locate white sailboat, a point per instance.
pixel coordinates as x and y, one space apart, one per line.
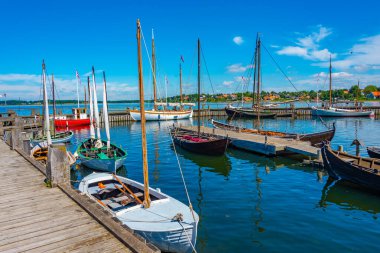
165 114
95 153
162 220
337 112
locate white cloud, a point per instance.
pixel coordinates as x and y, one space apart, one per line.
238 68
228 83
238 40
308 46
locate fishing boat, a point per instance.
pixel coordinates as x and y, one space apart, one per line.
257 109
331 111
57 137
155 114
373 152
160 219
95 153
315 139
196 141
79 115
362 171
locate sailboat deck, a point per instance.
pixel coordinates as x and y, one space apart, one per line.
266 145
35 218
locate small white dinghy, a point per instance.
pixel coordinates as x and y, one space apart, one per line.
167 223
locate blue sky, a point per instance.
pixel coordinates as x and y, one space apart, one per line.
72 35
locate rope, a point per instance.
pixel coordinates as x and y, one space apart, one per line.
187 236
183 178
282 71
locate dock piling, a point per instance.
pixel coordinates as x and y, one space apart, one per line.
58 166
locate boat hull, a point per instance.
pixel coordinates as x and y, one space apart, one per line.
340 113
233 113
373 152
71 122
161 115
338 168
315 139
106 165
215 146
65 138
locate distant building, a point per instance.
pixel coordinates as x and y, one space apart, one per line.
346 91
247 99
233 96
271 97
374 95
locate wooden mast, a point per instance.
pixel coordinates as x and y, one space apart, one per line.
154 73
180 84
330 82
199 87
85 98
54 104
258 77
142 115
254 75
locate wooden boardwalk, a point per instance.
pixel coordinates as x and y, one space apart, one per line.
261 144
34 218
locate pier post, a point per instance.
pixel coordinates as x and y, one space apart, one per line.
340 148
58 166
319 155
16 133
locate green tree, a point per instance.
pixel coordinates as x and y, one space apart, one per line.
369 88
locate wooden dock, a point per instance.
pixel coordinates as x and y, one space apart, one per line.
265 145
36 218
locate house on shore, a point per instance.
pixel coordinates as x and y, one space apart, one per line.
374 95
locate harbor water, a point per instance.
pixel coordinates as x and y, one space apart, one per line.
252 203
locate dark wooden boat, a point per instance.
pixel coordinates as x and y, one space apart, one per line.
362 171
207 144
196 141
247 113
373 152
315 139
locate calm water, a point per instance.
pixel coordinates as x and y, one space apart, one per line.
250 203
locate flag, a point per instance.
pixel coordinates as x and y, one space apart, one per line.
182 59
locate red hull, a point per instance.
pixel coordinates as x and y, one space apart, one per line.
71 122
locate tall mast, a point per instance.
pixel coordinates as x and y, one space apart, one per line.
92 131
78 82
180 84
258 97
85 97
142 115
154 72
54 104
255 73
105 111
46 105
96 109
330 82
199 87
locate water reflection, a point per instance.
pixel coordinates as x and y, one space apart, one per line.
349 196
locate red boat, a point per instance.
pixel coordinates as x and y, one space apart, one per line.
78 118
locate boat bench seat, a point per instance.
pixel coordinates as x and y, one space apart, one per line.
121 198
349 160
113 205
102 156
138 194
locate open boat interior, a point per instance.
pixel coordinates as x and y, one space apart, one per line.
92 149
117 195
40 154
368 164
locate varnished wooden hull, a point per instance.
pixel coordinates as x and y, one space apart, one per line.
359 170
315 139
214 146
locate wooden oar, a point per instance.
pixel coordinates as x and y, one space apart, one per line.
129 190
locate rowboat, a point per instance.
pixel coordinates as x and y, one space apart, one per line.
101 159
315 139
167 223
373 152
362 171
58 137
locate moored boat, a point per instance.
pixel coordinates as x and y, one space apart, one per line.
195 141
362 171
162 114
373 152
234 112
315 139
167 223
337 112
